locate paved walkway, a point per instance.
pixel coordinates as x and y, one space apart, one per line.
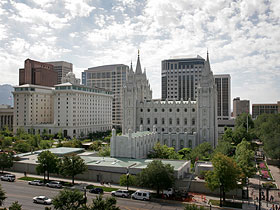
275 172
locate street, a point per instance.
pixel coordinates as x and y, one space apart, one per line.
23 193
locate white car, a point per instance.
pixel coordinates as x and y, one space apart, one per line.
36 182
141 195
8 177
54 184
120 193
42 200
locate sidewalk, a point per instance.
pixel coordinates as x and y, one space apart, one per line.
275 172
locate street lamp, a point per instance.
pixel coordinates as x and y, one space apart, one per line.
127 177
85 194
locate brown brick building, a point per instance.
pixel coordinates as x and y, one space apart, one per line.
37 73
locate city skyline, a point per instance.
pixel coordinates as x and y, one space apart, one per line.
242 38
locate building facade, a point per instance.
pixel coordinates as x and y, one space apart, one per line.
180 78
179 123
240 106
62 68
258 109
133 145
223 83
6 117
72 109
112 78
37 73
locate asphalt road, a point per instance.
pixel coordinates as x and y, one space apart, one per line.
23 193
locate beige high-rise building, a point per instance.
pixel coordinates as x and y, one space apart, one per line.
112 78
240 106
62 68
258 109
6 116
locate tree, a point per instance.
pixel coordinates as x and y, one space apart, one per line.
7 142
245 159
201 152
2 195
15 206
242 121
48 162
22 146
157 175
225 174
104 151
163 152
72 165
6 160
96 145
224 147
185 153
130 181
100 204
68 200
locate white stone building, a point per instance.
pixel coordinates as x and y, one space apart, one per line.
73 109
133 145
179 123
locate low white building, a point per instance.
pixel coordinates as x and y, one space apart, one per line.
73 109
200 166
133 145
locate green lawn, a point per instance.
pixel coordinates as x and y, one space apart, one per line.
29 178
106 189
227 204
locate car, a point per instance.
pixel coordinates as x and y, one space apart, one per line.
141 195
36 182
42 199
54 184
96 190
8 177
120 193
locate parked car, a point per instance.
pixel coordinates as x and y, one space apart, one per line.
8 177
141 195
96 190
36 182
169 192
42 199
54 184
120 193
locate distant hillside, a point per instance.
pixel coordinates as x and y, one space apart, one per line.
6 96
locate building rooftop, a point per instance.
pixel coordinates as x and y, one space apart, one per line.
104 67
139 133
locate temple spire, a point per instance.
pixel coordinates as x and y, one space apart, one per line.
131 68
138 65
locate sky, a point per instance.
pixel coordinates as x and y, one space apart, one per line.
242 37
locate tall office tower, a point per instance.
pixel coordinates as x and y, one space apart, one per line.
62 68
180 78
240 106
37 73
223 85
112 78
258 109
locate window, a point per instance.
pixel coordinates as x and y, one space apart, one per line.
148 110
141 110
162 110
186 110
162 121
170 110
148 121
174 143
162 129
190 143
165 142
193 110
170 121
155 122
186 121
141 121
178 110
193 121
181 144
155 110
178 121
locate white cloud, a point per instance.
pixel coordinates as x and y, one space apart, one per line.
79 8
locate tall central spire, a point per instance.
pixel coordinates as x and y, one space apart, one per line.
138 65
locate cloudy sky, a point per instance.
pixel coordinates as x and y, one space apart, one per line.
243 37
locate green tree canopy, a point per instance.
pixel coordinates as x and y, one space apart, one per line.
225 147
2 195
245 158
48 162
68 200
72 165
163 152
242 121
6 160
226 174
96 145
100 204
157 175
201 152
130 181
104 151
22 146
15 206
185 153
